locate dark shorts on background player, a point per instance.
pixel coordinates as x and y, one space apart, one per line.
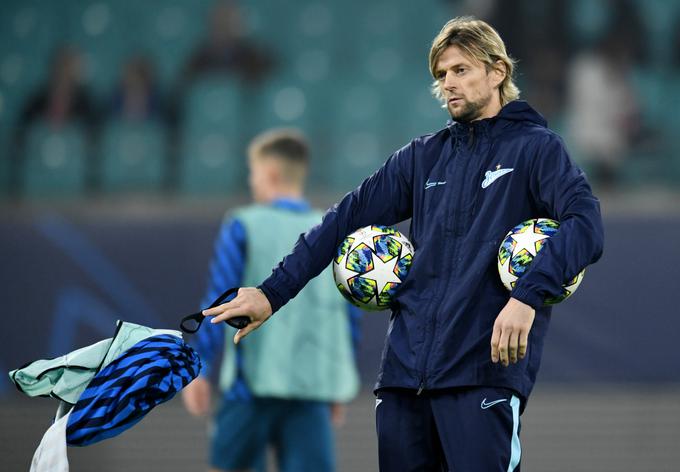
299 430
461 430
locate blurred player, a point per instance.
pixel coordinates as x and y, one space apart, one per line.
461 353
282 388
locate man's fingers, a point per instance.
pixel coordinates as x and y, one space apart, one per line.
512 346
250 303
495 337
243 332
225 311
503 346
219 309
230 313
523 343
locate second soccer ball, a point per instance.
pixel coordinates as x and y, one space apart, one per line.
519 248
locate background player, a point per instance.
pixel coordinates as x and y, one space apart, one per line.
281 388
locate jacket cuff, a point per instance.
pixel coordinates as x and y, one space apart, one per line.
275 300
524 295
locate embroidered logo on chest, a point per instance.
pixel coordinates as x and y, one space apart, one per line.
491 176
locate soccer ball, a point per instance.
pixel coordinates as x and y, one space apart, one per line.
370 266
520 246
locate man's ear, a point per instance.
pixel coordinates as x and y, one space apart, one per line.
498 73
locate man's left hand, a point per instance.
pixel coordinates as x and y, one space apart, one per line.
511 332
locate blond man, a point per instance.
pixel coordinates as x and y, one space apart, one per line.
461 353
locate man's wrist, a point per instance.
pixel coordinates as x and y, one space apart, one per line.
526 297
520 303
271 296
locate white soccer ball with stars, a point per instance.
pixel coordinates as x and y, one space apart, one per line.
371 265
520 246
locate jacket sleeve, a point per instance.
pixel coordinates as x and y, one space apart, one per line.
384 198
560 191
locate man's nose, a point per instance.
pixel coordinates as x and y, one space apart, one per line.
450 81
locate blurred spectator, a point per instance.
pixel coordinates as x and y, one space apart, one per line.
137 96
61 100
604 114
226 49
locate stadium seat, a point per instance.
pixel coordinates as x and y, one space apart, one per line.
98 30
286 25
648 85
4 160
289 102
644 168
132 156
169 32
212 163
28 36
660 18
587 20
279 103
213 102
55 161
211 152
425 114
357 146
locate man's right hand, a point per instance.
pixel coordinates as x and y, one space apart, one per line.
249 302
197 397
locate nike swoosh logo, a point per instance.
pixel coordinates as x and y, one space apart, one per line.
490 177
429 184
378 401
486 405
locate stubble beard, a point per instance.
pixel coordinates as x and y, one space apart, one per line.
470 111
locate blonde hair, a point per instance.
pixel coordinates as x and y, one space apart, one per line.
287 146
482 43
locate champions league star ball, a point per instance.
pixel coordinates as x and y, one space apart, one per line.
519 248
370 266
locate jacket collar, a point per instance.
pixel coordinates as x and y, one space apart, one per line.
513 112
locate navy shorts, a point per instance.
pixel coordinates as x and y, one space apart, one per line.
299 431
460 430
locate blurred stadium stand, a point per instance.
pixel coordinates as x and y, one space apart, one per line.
119 223
351 85
345 73
55 161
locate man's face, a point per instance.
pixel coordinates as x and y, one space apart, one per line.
470 91
260 178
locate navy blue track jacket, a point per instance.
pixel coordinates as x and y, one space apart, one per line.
440 328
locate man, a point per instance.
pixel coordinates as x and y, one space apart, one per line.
282 387
461 353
